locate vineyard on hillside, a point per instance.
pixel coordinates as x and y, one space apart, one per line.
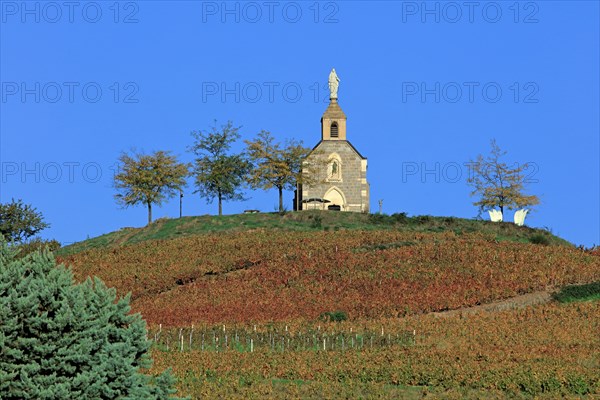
267 275
547 350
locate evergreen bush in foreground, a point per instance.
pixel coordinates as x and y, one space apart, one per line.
61 340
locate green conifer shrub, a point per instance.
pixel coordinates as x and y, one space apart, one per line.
62 340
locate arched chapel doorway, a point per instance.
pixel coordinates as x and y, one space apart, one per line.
336 198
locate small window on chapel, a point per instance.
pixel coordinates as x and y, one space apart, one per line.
334 130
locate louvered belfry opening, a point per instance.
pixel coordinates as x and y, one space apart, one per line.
334 130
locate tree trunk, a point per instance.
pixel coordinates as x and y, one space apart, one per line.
180 204
220 203
149 213
280 199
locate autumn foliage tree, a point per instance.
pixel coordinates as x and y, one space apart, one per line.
149 179
218 173
276 165
19 221
497 184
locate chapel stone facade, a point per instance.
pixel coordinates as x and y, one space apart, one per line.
338 172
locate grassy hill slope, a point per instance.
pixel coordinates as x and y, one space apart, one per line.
312 221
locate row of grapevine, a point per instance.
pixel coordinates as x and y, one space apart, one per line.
216 339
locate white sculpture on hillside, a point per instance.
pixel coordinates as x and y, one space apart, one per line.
520 217
334 84
495 215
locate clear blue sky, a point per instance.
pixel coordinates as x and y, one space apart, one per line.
425 86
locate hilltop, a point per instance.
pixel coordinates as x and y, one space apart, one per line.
312 221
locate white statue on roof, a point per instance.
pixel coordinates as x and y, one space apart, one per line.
334 84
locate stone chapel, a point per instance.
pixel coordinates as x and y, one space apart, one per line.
338 171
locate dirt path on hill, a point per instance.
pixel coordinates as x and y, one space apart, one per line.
522 301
